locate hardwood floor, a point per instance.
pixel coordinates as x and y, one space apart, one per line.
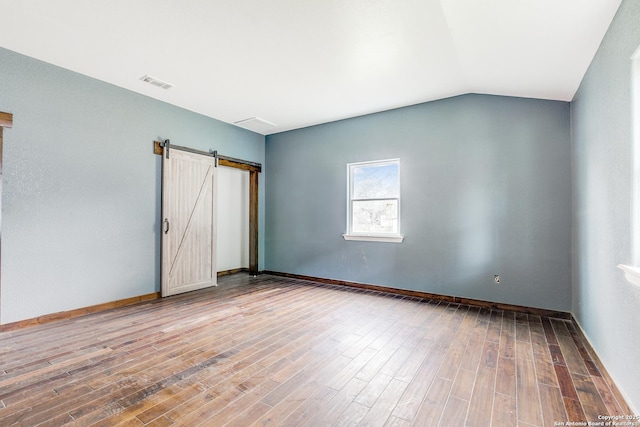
280 351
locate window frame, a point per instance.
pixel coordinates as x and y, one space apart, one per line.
632 272
390 237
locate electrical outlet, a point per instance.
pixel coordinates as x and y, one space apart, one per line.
496 278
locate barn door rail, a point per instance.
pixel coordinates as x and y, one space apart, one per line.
163 147
168 146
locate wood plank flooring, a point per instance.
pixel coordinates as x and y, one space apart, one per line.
270 351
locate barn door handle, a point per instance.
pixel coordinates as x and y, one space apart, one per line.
166 225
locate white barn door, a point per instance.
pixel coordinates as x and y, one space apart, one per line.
189 222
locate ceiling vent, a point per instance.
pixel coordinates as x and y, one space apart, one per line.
255 124
156 82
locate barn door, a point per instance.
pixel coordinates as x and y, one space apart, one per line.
189 222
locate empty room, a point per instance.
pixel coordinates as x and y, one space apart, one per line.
305 213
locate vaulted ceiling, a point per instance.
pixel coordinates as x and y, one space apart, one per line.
296 63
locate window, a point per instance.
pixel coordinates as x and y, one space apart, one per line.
632 272
373 207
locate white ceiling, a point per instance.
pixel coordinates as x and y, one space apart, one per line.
297 63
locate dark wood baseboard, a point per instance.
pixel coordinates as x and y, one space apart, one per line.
582 338
426 295
48 318
53 317
63 315
232 271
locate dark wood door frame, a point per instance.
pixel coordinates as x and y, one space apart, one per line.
6 121
254 169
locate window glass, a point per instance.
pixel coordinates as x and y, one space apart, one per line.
375 216
374 198
375 181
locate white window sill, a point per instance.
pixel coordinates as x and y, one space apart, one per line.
365 238
631 273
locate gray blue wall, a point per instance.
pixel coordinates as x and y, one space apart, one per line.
604 303
81 196
486 189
